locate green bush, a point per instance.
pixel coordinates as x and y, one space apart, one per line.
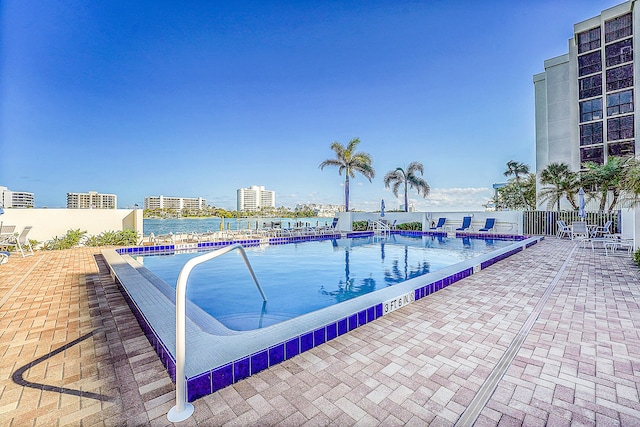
411 226
113 238
360 225
70 240
636 257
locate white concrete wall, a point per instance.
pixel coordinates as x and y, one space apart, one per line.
507 222
49 223
631 225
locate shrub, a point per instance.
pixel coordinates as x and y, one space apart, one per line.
360 225
412 226
70 240
636 257
113 238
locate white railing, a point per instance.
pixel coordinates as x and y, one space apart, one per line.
182 409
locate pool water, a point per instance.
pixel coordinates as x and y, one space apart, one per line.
299 278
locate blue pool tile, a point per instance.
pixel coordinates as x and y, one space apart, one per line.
259 361
379 310
332 331
221 377
319 337
198 386
276 354
342 326
292 347
353 322
362 317
371 314
241 369
306 342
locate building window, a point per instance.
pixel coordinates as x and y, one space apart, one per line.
622 149
620 103
591 110
618 53
591 133
590 86
620 128
592 154
589 63
619 78
589 40
618 28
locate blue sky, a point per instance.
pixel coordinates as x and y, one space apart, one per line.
198 99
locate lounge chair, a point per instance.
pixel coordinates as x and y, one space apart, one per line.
21 242
466 223
602 231
579 232
489 224
440 224
617 243
4 257
563 229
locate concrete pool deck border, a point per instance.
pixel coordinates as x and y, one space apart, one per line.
217 361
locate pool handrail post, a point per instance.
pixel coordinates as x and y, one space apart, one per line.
183 409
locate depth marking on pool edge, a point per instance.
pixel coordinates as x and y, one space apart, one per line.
398 302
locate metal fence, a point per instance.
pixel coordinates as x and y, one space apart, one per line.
545 222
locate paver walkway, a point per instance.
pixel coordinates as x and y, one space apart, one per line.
71 352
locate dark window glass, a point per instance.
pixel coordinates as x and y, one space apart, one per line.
590 86
622 149
620 103
591 133
589 63
620 128
619 78
619 52
592 154
591 110
589 40
618 28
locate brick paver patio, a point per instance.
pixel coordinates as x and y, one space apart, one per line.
73 354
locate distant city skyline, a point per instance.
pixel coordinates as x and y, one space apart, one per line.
201 99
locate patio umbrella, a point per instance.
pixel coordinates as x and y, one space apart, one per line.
581 212
382 208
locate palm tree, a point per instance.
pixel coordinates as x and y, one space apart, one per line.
399 176
605 177
350 162
563 181
631 182
517 169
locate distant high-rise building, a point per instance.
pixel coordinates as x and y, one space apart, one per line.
256 197
15 199
585 99
91 200
177 203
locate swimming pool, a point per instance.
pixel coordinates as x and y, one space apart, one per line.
303 277
217 356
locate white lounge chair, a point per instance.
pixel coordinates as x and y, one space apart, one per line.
4 257
563 229
579 232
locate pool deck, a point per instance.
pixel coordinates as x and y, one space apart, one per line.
548 336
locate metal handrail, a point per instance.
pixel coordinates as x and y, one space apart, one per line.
182 409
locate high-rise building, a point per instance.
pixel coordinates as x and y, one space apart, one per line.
584 100
254 198
178 203
91 200
15 199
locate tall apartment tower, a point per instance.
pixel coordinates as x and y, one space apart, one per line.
254 198
91 200
584 100
15 199
177 203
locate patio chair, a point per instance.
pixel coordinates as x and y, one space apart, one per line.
466 223
616 243
4 257
440 224
563 229
579 232
22 243
601 231
489 224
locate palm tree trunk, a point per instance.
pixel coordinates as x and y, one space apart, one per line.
346 192
406 197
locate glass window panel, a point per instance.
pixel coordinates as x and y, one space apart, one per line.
618 28
589 63
592 154
589 40
618 53
590 86
591 110
620 128
591 133
620 103
622 149
619 78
